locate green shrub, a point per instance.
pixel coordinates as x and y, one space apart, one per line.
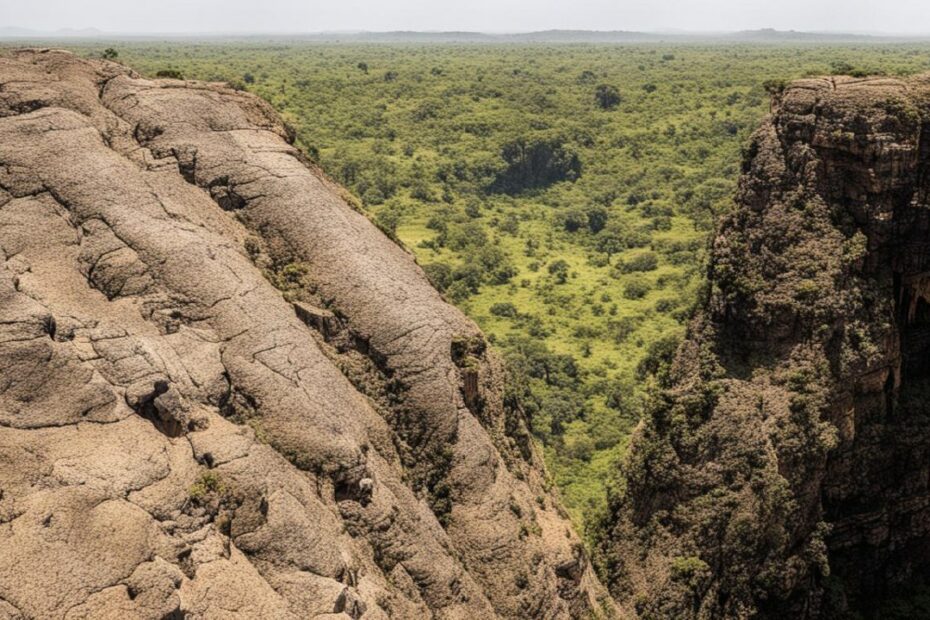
636 288
209 483
439 275
559 270
641 262
503 308
658 357
173 74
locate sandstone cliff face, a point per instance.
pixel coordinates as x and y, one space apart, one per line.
224 393
784 469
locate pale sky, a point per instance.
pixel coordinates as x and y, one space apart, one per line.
291 16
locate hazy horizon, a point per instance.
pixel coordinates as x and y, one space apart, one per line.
901 17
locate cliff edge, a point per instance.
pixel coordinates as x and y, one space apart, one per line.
783 470
225 394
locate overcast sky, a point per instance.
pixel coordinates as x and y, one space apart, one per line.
891 16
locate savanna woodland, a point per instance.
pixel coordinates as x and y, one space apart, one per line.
563 196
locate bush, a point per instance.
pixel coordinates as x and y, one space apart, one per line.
473 209
559 270
532 358
536 328
618 236
580 447
597 219
172 74
373 197
586 331
659 357
666 305
621 329
644 261
636 289
462 236
470 274
209 483
439 275
504 308
493 262
460 290
510 225
573 220
562 407
387 220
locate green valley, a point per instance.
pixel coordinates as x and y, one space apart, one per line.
562 195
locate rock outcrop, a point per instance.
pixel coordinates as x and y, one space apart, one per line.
225 394
784 469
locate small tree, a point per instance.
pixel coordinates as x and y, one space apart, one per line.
611 240
597 219
607 97
504 308
248 78
387 220
574 219
439 275
363 67
110 53
643 261
636 288
559 269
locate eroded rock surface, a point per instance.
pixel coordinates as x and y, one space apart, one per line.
785 469
225 394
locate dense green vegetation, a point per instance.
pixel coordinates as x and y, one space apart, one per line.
562 196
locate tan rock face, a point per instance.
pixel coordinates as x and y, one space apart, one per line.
784 471
224 393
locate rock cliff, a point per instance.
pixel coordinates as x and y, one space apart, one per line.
225 394
783 470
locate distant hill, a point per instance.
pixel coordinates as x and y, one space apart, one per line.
765 35
769 34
